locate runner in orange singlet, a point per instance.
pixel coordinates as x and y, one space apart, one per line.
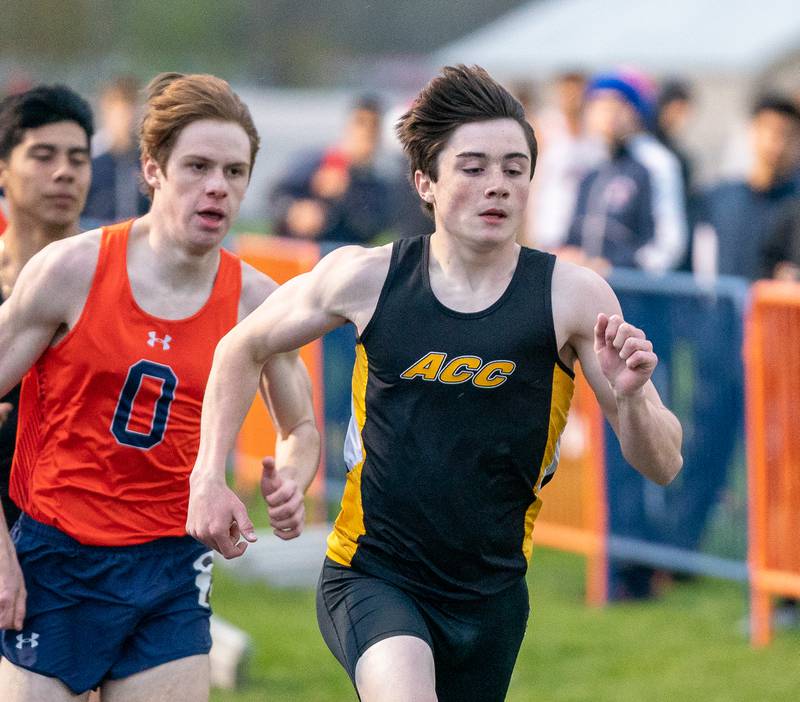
45 170
118 328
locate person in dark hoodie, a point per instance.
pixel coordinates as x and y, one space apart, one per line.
630 210
743 213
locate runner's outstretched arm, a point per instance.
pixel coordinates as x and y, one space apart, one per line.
261 348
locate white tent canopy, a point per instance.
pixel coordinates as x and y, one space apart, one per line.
662 36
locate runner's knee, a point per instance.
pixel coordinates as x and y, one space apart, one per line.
397 669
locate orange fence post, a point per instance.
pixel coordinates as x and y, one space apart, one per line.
280 259
574 516
772 381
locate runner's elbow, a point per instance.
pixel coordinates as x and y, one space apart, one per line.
669 471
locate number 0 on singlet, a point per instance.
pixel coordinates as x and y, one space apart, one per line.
122 415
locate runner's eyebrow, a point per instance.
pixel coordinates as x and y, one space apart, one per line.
206 159
52 148
479 154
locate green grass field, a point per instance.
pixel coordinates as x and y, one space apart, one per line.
688 646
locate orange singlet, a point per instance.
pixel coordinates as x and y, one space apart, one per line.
110 416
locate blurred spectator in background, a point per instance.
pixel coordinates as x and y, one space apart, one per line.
780 254
337 195
739 215
630 210
116 194
673 110
566 155
17 81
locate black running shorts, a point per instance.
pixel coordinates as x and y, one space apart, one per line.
474 642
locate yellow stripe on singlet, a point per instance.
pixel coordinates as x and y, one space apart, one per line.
563 386
349 525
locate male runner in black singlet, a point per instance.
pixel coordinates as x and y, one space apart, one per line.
461 387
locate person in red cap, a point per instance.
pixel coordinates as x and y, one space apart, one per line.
338 194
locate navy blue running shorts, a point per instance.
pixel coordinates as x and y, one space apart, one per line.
96 613
474 642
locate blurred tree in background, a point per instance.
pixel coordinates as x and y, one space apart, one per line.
282 42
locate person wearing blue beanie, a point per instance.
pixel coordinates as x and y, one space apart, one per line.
630 213
626 87
630 210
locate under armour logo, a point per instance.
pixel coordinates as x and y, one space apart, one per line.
153 340
32 640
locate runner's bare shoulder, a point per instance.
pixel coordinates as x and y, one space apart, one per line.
349 281
60 275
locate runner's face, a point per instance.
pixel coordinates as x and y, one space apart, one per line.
206 178
46 176
483 183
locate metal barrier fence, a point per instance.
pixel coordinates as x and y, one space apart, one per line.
698 524
597 505
600 506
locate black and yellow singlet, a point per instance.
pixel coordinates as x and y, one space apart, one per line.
455 425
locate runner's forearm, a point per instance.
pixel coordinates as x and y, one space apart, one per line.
231 386
650 437
297 454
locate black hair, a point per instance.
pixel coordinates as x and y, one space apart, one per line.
673 89
775 102
44 104
369 102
